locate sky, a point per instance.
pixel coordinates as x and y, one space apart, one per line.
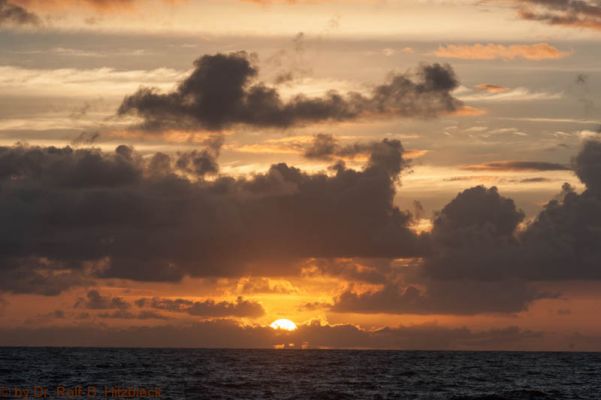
387 174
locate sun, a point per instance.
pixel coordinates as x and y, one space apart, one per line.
283 324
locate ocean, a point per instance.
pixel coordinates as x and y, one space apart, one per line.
99 373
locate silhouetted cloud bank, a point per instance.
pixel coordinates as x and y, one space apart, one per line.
222 91
228 333
74 214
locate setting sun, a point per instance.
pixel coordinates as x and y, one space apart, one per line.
283 324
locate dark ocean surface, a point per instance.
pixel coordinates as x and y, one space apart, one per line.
300 374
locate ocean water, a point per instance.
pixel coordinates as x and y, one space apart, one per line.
296 374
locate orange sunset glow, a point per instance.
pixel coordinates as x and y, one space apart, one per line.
308 174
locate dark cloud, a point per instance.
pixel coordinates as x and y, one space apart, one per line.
313 306
372 270
222 91
476 236
537 179
226 333
572 13
92 214
255 285
206 308
587 166
198 163
326 147
75 215
477 210
473 265
13 14
203 162
69 168
124 314
86 138
95 301
562 242
462 297
323 147
473 237
517 166
582 91
38 275
496 178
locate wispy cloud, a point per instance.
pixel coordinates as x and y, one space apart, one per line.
67 82
490 88
502 94
511 165
493 51
571 13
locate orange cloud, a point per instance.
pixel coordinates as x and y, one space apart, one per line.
492 51
469 111
99 5
494 89
282 1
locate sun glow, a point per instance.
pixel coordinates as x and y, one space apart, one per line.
283 324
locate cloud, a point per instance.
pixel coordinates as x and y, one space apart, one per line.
322 146
74 82
24 12
537 179
472 249
369 270
30 274
254 285
459 297
326 147
570 13
581 90
71 215
124 314
481 209
13 14
476 236
492 51
97 5
198 162
221 91
496 178
227 333
501 94
562 241
313 306
490 88
587 166
517 166
95 301
207 308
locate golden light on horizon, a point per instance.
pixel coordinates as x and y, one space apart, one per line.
283 324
